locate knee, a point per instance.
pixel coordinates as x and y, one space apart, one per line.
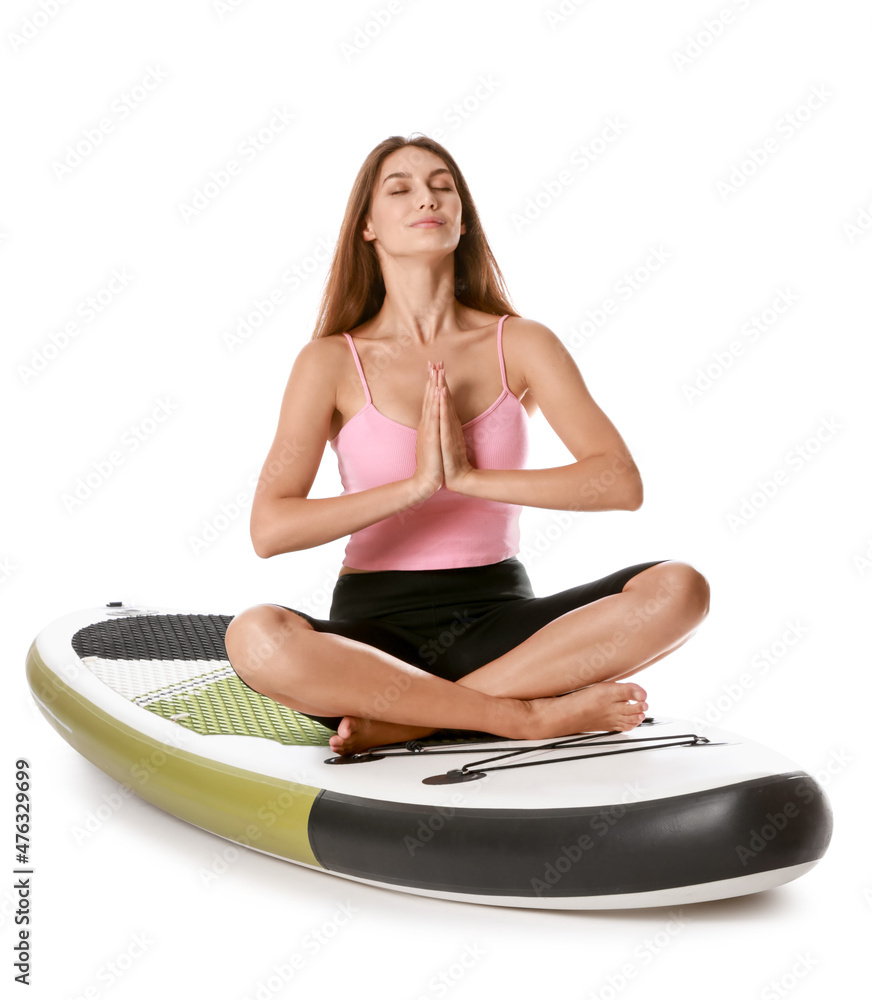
680 585
255 639
688 585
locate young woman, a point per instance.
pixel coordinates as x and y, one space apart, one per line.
422 379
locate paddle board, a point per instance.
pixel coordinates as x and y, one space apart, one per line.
658 816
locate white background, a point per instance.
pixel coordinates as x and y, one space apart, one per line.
528 92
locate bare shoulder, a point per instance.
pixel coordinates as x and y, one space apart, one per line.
321 359
322 349
529 346
313 380
521 328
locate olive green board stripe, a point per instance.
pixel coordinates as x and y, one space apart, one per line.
250 809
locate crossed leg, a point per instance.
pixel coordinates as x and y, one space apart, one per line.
580 654
590 647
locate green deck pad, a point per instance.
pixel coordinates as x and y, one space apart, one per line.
227 707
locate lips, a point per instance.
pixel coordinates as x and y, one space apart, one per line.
424 222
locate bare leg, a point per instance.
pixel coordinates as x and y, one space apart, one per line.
657 611
273 650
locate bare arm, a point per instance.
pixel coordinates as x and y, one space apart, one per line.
283 518
603 476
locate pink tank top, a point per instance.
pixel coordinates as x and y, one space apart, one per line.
448 529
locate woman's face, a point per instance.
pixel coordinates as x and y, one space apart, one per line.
414 184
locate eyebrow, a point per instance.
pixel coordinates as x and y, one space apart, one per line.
402 173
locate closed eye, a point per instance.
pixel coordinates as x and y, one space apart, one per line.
404 190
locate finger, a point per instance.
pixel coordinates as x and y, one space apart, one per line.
429 400
434 401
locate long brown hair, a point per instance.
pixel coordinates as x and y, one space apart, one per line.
354 289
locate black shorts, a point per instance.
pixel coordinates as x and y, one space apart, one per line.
450 622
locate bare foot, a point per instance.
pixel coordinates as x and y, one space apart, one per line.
604 707
601 707
355 734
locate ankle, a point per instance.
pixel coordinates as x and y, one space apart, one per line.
524 719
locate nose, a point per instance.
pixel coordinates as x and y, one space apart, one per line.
427 198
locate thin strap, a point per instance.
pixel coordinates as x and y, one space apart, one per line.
500 350
359 369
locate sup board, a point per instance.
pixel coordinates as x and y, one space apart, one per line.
658 816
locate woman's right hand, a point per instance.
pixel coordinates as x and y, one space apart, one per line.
429 475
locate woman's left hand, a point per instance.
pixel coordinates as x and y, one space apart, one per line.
455 456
